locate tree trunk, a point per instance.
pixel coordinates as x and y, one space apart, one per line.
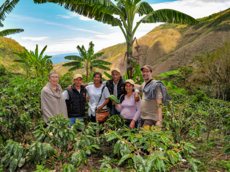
129 54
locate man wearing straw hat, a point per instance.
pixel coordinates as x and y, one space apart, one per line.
154 93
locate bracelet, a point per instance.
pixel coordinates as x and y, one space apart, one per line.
159 120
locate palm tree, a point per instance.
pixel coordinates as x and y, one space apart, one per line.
35 61
6 8
105 11
87 60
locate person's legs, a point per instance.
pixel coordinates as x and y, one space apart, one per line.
93 118
80 118
128 121
72 120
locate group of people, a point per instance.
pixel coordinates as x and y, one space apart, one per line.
72 101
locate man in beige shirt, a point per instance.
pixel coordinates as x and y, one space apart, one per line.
151 114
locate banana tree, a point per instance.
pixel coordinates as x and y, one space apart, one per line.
34 60
6 8
106 11
87 60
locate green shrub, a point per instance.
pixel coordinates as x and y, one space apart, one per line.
200 96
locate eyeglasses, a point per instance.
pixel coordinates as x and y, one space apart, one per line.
54 77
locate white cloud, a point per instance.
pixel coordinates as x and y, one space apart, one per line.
195 8
65 17
35 38
75 15
32 19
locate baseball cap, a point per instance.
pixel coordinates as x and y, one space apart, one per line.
130 81
116 69
77 76
148 67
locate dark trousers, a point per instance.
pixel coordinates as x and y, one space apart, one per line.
128 121
113 111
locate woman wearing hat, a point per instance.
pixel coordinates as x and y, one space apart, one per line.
129 108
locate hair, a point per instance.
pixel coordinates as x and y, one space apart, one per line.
123 95
53 72
98 73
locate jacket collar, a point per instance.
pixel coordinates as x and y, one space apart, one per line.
82 87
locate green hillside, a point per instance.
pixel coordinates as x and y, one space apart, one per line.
7 47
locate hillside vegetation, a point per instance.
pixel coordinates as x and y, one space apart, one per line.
170 45
7 47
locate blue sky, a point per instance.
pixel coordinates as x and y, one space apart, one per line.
62 30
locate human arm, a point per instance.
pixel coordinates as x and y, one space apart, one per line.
118 106
106 96
159 98
87 96
137 114
138 87
159 112
85 85
105 103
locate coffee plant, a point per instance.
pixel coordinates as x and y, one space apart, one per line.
26 139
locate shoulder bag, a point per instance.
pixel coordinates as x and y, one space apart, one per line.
104 114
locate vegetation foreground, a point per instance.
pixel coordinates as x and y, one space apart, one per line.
194 137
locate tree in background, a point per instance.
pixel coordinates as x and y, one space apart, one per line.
185 72
6 8
106 11
36 62
87 60
216 67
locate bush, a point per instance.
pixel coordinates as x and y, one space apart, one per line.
200 97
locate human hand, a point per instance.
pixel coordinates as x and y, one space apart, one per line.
69 86
114 103
137 97
132 124
87 98
99 109
158 123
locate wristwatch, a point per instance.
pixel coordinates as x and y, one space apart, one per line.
159 120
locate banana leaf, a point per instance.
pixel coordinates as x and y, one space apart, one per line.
173 72
108 75
172 86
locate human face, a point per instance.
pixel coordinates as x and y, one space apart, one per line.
97 79
116 76
129 87
78 81
146 74
54 78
